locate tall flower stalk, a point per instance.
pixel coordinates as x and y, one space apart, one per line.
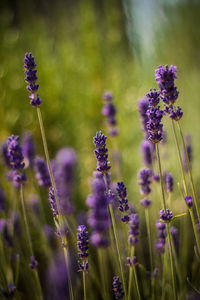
101 153
31 78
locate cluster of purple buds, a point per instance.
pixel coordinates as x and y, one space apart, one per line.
31 78
189 201
82 245
134 229
160 245
131 261
123 201
52 201
42 172
33 263
169 181
165 77
145 178
146 150
154 125
189 153
109 110
145 203
4 154
143 106
153 274
166 215
98 215
101 152
117 288
10 292
16 161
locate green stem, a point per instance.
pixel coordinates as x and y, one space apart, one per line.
118 249
171 261
102 273
136 283
66 255
161 177
130 275
190 173
84 285
195 230
150 247
17 269
180 158
29 240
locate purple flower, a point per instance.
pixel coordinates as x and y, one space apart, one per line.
33 264
189 153
145 203
101 152
108 96
110 111
123 201
52 202
14 152
42 173
165 77
166 216
4 154
143 106
154 126
145 176
169 181
175 113
28 148
82 245
189 201
160 245
131 261
134 229
98 214
117 288
146 150
153 97
65 166
31 78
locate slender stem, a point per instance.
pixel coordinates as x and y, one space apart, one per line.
46 151
171 261
150 247
102 273
84 285
130 274
195 230
161 177
190 173
137 285
180 158
17 269
118 249
29 240
66 255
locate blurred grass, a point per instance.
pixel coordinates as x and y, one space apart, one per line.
82 49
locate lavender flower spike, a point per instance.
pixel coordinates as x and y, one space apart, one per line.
189 201
31 78
189 153
52 202
117 288
146 150
101 152
134 229
82 245
33 264
166 216
169 182
28 148
145 178
42 173
123 201
143 106
161 236
16 158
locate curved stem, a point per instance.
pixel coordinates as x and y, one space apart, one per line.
136 282
195 230
118 249
68 273
190 173
171 261
161 177
130 274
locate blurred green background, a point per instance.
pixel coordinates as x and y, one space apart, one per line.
83 48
